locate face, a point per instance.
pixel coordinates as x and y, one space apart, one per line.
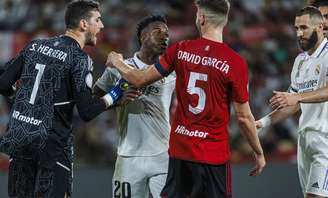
307 34
198 20
156 37
324 12
94 25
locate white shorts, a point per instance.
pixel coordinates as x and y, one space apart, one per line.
140 177
312 158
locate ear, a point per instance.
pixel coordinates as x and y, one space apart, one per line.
142 36
202 19
84 24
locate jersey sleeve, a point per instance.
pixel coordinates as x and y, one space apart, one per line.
166 62
295 72
10 74
108 79
88 105
239 81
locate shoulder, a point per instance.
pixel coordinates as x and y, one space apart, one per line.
234 57
299 58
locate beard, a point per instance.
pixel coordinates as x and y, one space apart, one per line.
325 32
310 42
90 39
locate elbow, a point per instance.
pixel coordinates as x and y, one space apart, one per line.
243 120
85 117
86 114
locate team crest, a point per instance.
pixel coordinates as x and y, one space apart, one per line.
317 70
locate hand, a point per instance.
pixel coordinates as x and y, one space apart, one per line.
283 99
259 165
259 126
130 95
113 58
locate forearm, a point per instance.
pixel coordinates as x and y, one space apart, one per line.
278 115
133 76
247 125
317 96
90 106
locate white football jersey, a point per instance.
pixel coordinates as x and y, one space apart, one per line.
144 124
310 73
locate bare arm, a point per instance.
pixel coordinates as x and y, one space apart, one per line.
138 78
283 99
319 95
247 125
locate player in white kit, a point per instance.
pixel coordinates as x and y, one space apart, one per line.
309 73
283 99
142 161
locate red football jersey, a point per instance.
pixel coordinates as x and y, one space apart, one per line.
209 76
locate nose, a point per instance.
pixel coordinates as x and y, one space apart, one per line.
299 33
101 25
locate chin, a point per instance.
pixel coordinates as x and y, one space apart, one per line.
91 43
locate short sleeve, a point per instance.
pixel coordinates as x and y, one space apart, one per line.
166 62
239 81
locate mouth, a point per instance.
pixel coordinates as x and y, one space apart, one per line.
302 41
164 44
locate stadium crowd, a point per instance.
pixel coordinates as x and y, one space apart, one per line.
262 31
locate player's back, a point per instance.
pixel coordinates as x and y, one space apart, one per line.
44 104
209 76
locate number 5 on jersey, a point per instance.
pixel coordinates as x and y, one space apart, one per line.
192 89
40 68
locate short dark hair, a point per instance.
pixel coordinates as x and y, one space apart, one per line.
319 3
310 10
216 6
146 21
77 10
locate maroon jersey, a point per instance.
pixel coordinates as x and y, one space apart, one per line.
209 76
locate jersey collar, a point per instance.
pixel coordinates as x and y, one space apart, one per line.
139 63
320 49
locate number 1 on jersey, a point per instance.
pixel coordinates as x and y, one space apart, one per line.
192 89
40 68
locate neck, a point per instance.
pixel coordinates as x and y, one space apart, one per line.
214 34
76 36
147 56
320 39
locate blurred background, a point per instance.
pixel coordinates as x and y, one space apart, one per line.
260 30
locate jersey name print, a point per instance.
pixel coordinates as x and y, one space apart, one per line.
54 75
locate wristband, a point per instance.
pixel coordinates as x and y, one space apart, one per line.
265 121
116 92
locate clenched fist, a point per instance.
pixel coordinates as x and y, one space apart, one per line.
113 58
